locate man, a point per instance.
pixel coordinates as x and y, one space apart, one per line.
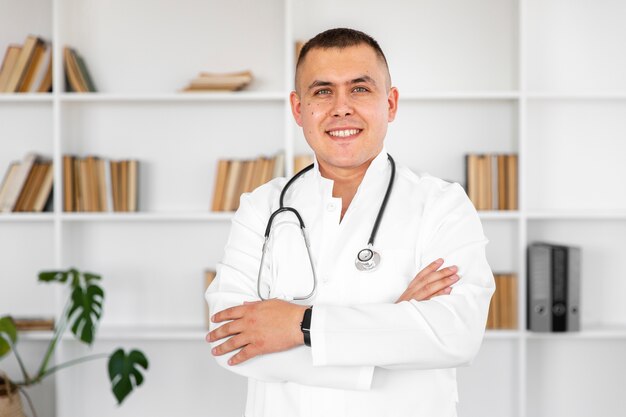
381 343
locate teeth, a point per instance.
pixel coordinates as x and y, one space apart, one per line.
344 133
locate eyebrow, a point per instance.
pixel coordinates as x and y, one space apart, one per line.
361 79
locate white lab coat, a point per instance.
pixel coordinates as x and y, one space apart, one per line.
369 356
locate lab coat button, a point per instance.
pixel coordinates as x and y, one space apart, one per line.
330 207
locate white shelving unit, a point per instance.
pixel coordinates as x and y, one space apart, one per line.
542 78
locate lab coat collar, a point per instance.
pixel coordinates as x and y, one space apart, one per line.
378 164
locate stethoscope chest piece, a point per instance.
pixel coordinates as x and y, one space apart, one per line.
367 260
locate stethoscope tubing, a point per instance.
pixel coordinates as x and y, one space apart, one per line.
282 209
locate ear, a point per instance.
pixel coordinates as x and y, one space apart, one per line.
392 102
294 100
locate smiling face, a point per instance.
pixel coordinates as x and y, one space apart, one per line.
343 102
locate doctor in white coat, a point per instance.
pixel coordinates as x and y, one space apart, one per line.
367 343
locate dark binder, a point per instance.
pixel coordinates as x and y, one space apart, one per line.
553 288
539 297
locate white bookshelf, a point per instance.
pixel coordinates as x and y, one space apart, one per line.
541 78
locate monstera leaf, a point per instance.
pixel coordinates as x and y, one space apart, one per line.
121 368
86 301
7 333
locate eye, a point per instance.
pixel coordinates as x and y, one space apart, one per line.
360 89
322 92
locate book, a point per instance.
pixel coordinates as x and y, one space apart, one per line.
553 287
18 180
503 304
32 68
43 80
233 81
115 185
9 177
512 182
231 200
44 194
132 184
491 181
27 189
72 73
85 77
33 323
96 184
68 183
21 66
8 63
220 184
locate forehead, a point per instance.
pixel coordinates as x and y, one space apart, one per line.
341 64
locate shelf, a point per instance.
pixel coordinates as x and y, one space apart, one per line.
590 333
576 95
147 216
576 215
503 334
460 95
173 97
26 217
499 214
26 97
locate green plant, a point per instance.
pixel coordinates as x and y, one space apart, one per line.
82 313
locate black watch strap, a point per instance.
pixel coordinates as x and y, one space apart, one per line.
305 325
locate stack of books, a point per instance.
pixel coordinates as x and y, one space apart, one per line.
27 68
233 81
93 184
553 287
235 177
491 181
77 77
27 185
503 305
24 324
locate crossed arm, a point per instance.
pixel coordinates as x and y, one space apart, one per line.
263 327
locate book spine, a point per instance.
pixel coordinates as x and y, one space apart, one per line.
559 289
68 183
573 289
539 290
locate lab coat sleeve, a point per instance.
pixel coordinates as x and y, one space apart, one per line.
443 332
235 283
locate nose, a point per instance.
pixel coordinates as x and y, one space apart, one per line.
342 105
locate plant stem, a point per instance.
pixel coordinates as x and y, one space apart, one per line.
70 363
58 333
20 363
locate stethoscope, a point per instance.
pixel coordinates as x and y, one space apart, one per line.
367 259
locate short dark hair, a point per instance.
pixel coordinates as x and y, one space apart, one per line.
340 38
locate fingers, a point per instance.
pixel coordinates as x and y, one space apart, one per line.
229 314
231 344
428 275
432 267
246 353
223 331
432 287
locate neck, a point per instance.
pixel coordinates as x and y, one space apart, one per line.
346 181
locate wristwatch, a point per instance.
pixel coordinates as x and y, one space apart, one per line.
305 325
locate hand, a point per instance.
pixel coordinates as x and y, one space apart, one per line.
430 282
258 327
